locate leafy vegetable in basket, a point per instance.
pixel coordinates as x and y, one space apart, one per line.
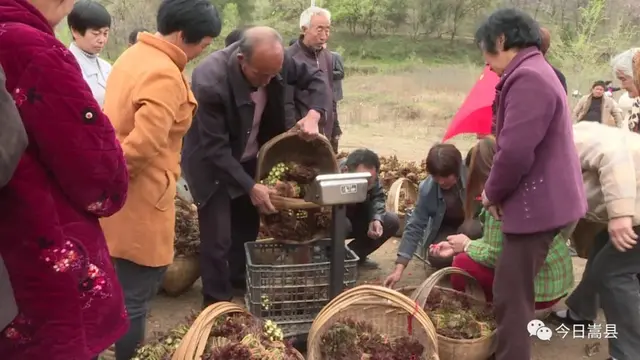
458 317
164 345
348 339
187 240
391 169
244 337
290 180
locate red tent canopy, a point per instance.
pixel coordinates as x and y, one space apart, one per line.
474 116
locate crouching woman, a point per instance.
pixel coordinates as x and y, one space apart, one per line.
479 257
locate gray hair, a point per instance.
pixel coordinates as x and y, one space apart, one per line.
254 36
305 17
623 62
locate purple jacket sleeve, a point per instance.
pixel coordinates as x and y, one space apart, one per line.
74 139
529 108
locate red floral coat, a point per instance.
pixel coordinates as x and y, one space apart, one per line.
72 173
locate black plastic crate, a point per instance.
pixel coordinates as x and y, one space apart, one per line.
287 292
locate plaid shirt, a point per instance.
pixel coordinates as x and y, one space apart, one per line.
555 278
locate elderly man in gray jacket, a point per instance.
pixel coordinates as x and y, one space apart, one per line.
13 141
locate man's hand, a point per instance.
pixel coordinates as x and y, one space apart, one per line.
260 199
621 233
458 242
394 277
375 229
308 125
441 250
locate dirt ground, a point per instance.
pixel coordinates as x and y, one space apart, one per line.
402 115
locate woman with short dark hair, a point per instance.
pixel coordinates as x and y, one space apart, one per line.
439 211
90 23
524 190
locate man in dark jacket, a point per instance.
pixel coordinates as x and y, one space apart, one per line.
240 92
315 25
369 223
338 76
13 142
545 37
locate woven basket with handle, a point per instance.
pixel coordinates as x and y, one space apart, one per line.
401 187
455 349
290 147
390 312
194 343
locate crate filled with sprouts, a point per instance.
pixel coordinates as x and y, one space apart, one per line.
288 276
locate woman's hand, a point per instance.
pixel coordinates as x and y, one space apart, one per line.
441 250
458 242
394 277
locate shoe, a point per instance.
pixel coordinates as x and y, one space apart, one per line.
368 264
568 321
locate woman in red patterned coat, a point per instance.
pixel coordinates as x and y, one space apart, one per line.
72 173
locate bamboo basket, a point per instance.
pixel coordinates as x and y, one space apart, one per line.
194 343
389 311
454 349
393 202
290 147
180 276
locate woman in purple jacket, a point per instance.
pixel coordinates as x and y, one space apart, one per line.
535 185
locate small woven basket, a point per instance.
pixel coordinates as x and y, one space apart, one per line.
390 312
194 343
455 349
401 187
290 147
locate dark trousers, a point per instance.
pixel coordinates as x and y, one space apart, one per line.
139 285
358 227
514 292
225 226
610 281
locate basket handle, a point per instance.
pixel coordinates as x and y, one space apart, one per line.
194 342
421 294
393 197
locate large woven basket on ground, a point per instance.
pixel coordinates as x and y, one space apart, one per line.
194 343
390 312
401 190
457 349
181 275
290 147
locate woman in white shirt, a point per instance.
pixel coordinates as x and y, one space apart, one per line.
89 23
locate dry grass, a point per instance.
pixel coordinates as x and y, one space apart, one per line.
404 114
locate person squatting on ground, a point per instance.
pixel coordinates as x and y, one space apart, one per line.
524 191
90 24
151 107
439 210
238 88
368 222
598 107
71 174
315 27
479 257
610 162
